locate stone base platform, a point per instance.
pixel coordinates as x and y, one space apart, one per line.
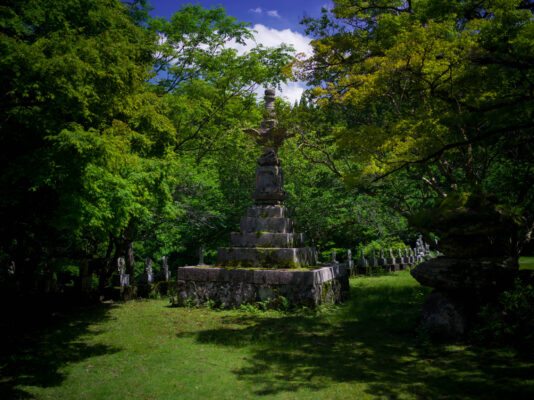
233 287
266 257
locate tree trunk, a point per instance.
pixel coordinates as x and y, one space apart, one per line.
86 276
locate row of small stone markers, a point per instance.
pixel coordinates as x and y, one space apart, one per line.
123 279
388 261
394 262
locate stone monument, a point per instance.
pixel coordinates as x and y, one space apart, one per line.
264 260
478 265
267 237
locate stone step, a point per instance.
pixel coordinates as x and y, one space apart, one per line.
272 225
267 257
260 239
267 212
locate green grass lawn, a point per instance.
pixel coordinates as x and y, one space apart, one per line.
368 348
526 263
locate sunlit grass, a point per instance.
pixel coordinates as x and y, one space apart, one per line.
367 348
526 263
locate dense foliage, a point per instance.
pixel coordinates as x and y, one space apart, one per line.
83 141
438 97
117 128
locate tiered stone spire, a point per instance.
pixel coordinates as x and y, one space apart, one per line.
267 238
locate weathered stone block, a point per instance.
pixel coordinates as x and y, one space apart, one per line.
273 225
269 183
267 212
266 257
265 239
237 286
259 276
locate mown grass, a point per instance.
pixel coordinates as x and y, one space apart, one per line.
368 348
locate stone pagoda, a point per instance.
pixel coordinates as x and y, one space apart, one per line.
267 238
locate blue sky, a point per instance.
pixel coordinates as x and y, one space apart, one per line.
277 14
274 22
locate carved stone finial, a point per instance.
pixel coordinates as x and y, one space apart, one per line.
269 177
270 95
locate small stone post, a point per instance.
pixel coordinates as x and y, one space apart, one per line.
334 255
201 256
363 262
165 268
350 261
124 279
391 260
148 270
11 269
383 261
374 260
418 256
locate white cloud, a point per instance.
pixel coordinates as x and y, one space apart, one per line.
292 91
270 37
257 10
273 13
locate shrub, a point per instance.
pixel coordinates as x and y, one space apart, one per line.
376 245
511 320
326 256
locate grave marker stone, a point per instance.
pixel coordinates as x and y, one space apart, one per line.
201 256
383 261
149 277
334 255
165 268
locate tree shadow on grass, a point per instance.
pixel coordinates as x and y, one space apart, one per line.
370 340
37 343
